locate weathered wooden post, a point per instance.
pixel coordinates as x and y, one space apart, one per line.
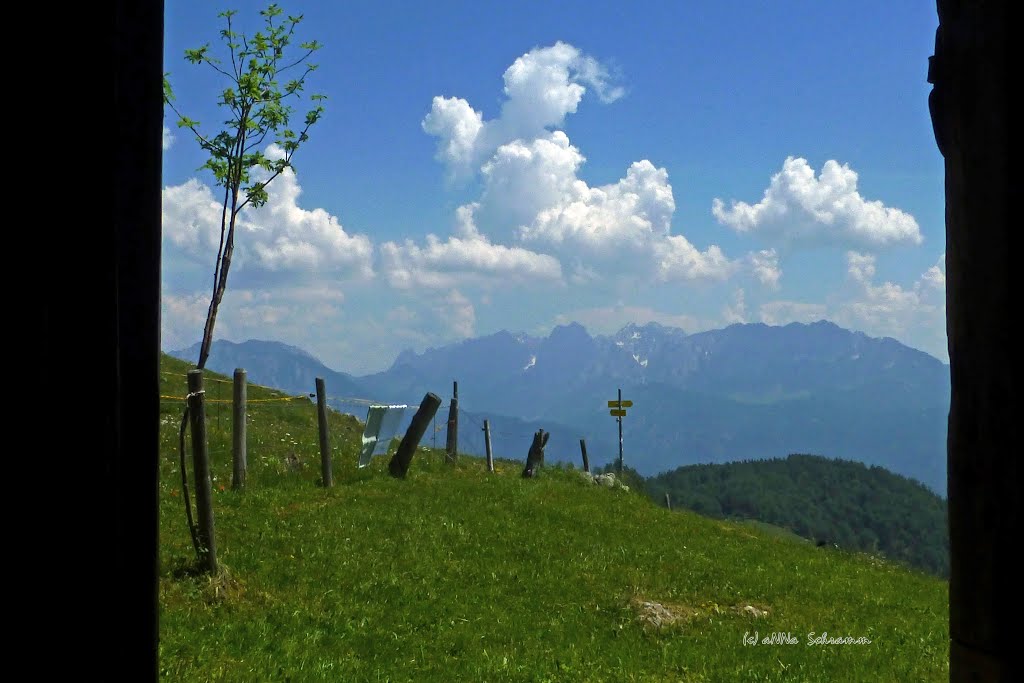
668 501
451 446
239 458
201 471
487 446
399 464
583 449
325 444
535 458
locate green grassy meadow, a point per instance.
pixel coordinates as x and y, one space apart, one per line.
455 574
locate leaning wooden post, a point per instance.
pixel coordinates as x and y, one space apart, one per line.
535 458
668 501
239 458
487 446
399 464
201 471
583 449
325 444
451 446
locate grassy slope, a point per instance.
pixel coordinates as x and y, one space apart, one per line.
456 575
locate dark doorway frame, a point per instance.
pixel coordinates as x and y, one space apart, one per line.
970 116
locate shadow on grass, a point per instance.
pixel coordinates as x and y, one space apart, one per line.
220 587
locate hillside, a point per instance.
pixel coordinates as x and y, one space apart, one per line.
457 574
821 499
274 364
747 391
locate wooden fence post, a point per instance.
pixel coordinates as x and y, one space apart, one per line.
451 446
325 444
583 449
668 501
399 464
535 458
239 458
487 446
201 471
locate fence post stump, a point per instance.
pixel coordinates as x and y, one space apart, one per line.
201 471
583 449
399 464
325 444
451 447
535 457
487 446
239 457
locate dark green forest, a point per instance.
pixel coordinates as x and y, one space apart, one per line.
828 501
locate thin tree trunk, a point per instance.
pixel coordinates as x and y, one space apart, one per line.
218 296
224 261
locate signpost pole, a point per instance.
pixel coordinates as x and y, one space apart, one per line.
618 409
620 434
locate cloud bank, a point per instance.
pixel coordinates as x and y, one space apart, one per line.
535 218
280 242
801 208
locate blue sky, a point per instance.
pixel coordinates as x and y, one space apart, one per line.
483 166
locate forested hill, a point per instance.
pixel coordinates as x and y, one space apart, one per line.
828 501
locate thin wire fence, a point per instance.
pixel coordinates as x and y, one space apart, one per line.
472 438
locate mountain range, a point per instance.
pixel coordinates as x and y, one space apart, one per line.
744 392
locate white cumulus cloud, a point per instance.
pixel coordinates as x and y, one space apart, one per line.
532 193
280 238
914 314
457 127
935 277
168 139
626 214
799 207
525 178
889 308
534 201
676 259
860 267
764 265
468 259
541 88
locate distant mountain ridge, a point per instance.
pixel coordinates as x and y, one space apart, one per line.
274 364
748 391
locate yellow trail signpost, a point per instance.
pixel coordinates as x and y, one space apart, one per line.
618 410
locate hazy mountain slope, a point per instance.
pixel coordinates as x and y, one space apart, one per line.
276 365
